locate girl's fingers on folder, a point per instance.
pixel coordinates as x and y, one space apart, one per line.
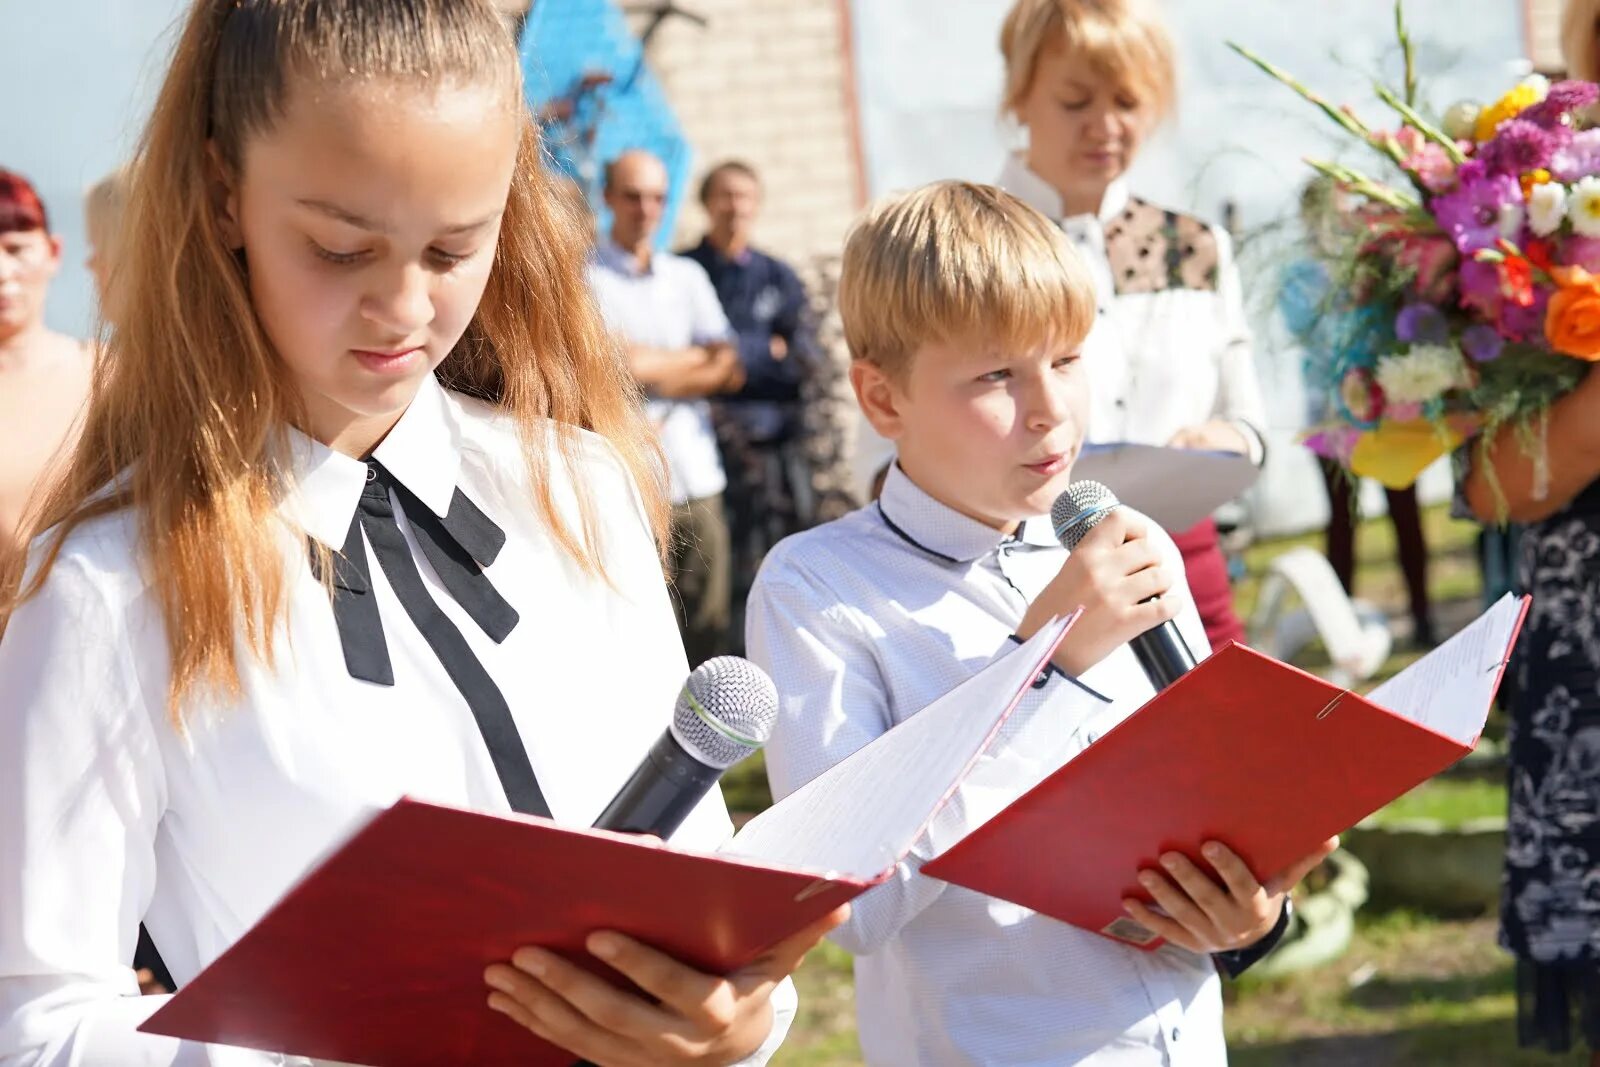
784 958
593 1019
699 1018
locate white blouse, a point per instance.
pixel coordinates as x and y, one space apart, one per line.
1170 346
110 815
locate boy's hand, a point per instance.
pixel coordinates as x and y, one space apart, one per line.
1205 917
1113 573
693 1018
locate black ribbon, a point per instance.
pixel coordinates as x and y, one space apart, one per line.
458 547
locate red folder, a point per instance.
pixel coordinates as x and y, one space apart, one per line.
377 956
1245 750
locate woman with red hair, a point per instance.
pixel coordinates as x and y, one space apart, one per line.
44 376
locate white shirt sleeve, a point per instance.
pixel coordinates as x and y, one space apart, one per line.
81 793
1238 386
831 702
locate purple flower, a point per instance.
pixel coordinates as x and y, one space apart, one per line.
1579 251
1481 212
1579 157
1422 324
1563 99
1480 288
1521 146
1526 324
1481 343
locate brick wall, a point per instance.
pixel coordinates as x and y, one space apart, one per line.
768 81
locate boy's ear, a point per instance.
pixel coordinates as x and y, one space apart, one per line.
223 187
878 397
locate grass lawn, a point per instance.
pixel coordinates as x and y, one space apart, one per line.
1412 990
1450 801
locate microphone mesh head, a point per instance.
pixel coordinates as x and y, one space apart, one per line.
725 711
1079 509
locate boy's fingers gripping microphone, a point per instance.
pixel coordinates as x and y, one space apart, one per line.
726 711
1080 508
1161 650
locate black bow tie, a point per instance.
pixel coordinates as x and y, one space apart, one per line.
458 546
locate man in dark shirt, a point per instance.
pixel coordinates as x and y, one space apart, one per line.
759 428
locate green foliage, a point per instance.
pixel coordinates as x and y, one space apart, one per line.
1448 801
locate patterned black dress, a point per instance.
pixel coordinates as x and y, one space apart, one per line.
1550 903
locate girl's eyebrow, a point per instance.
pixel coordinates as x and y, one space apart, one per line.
334 211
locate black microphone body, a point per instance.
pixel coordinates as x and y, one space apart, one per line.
1162 652
661 793
725 711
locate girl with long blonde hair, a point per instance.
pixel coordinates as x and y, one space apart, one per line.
364 506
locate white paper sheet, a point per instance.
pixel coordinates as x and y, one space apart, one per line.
1176 487
1449 690
860 816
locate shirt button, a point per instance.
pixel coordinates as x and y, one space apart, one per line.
1121 403
1174 1033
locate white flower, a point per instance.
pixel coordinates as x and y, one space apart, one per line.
1510 220
1422 374
1538 83
1460 120
1583 207
1547 206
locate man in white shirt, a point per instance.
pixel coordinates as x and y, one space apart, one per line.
965 310
680 348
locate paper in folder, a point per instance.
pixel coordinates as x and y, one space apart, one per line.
377 956
1245 750
1175 487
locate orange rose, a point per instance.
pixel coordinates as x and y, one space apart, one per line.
1572 324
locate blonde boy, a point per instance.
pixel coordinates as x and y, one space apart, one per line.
964 310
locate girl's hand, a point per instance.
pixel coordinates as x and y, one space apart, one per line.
695 1018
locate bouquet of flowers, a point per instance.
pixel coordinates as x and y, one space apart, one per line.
1465 293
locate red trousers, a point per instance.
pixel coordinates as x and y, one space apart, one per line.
1208 583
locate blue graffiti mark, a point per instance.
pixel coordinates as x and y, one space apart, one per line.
587 80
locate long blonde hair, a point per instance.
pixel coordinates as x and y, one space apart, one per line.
190 403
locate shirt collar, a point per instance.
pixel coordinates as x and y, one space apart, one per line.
743 258
944 531
614 257
423 452
1021 182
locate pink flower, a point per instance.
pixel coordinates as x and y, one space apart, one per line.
1435 170
1333 442
1407 412
1429 258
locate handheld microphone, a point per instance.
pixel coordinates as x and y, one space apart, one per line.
725 712
1161 651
